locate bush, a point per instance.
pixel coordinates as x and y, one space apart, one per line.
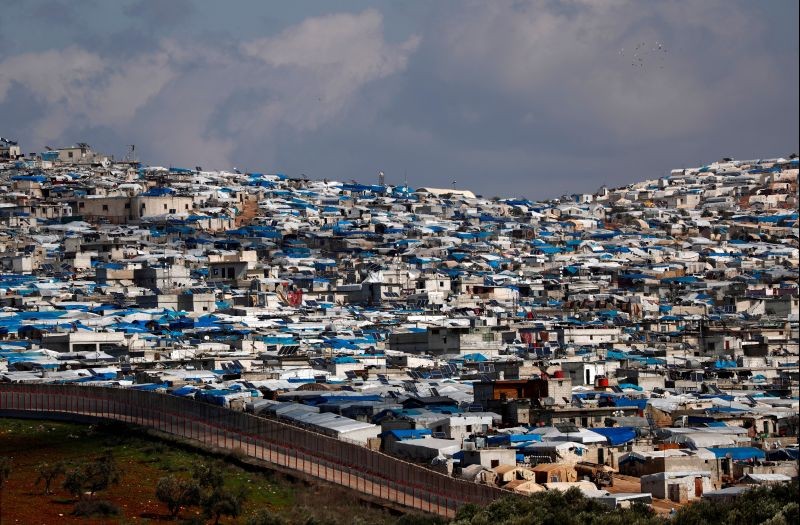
563 508
264 517
209 476
223 502
420 519
48 473
176 493
756 506
93 477
88 508
760 506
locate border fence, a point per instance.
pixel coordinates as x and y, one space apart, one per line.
353 466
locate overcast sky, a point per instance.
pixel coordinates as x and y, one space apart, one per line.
520 98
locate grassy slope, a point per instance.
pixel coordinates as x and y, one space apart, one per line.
144 460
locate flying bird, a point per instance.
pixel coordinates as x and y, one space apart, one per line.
647 54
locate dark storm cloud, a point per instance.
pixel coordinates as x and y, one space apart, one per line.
53 11
159 13
508 98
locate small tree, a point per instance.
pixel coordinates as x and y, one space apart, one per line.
102 473
48 473
5 469
176 493
223 502
5 472
74 482
93 477
208 476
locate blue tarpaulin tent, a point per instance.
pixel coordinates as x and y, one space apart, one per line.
738 453
616 435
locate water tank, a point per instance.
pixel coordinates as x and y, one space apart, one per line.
558 374
601 381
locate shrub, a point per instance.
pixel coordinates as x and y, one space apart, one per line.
93 477
176 493
420 519
223 502
264 517
209 476
48 473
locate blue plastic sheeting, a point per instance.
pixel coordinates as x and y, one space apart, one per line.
181 324
548 250
725 410
739 453
631 385
158 192
359 188
680 280
340 344
524 438
130 328
30 178
219 396
342 400
279 340
105 376
634 276
617 355
408 433
206 321
641 404
16 357
616 435
509 439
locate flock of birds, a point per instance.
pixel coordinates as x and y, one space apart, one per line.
643 53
